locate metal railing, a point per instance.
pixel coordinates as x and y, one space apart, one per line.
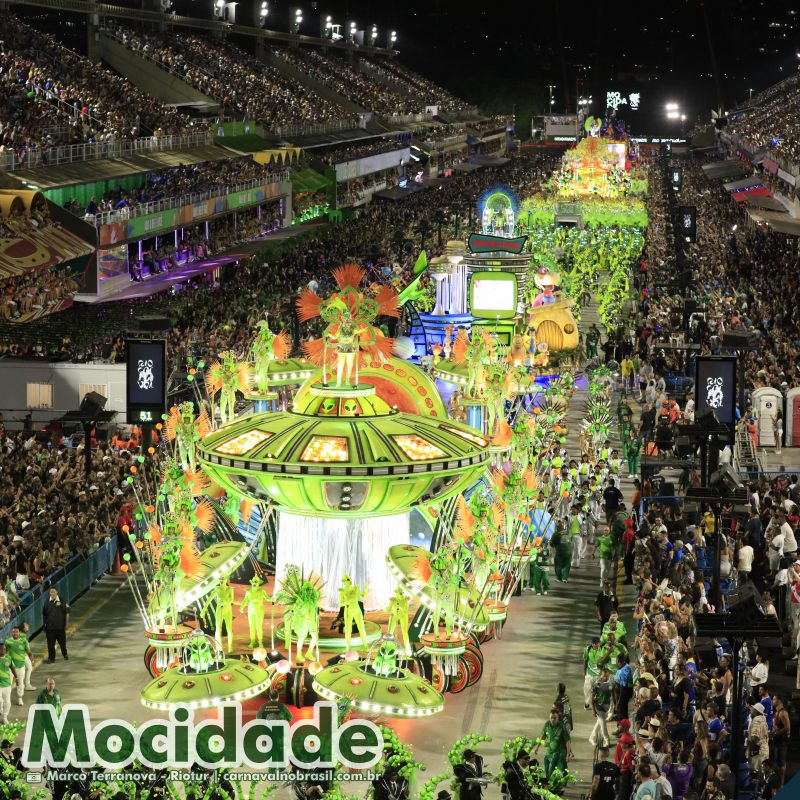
71 580
31 158
130 212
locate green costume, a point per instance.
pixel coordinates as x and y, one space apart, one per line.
562 560
398 615
555 741
349 595
254 599
633 449
223 612
592 338
540 580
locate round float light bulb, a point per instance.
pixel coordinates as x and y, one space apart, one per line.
283 667
351 655
260 654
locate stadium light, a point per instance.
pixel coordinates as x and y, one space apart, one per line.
373 36
393 37
298 20
351 32
264 9
671 106
672 115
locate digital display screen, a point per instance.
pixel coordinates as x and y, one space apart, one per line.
493 295
146 376
715 388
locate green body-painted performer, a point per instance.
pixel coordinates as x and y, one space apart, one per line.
223 612
398 615
349 596
300 596
255 598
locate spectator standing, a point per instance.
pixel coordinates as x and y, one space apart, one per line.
56 617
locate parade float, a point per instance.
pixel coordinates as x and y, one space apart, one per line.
271 553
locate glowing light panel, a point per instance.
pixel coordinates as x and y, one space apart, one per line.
326 448
417 448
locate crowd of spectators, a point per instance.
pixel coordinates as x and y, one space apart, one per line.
380 236
180 181
51 96
243 86
744 277
50 509
426 92
770 120
670 694
38 291
350 152
358 87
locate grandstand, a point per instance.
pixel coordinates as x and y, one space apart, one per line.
164 158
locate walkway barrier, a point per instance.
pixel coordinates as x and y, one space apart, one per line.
32 158
71 580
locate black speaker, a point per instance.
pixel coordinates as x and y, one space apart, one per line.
707 418
726 481
739 340
667 489
93 403
745 604
689 306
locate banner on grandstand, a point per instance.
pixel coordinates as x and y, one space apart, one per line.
786 176
171 218
250 197
357 168
151 224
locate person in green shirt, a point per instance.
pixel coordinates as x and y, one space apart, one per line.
17 647
557 742
50 696
5 684
591 668
616 627
605 551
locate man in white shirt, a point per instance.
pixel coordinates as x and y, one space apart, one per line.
775 551
789 541
745 562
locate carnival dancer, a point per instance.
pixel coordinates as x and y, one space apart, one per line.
18 649
469 776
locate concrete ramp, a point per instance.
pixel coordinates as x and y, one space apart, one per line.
148 75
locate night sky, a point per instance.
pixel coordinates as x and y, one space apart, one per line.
504 56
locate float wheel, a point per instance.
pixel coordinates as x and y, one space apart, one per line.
439 680
460 680
474 666
150 661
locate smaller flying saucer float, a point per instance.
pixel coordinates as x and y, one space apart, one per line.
379 685
411 566
205 678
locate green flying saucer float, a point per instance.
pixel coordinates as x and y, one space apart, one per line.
204 678
380 684
405 560
344 452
